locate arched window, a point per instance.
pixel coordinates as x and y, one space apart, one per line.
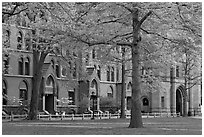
6 39
108 73
64 72
20 66
74 71
52 64
117 74
112 74
94 87
87 59
4 93
57 67
6 64
23 91
27 66
19 40
110 92
145 102
99 72
28 41
94 53
50 82
177 71
129 86
34 40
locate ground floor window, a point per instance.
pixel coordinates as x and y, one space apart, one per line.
71 96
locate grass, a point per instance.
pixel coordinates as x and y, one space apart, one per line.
152 126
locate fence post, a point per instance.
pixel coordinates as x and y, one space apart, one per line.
61 116
49 116
109 115
72 116
82 116
11 116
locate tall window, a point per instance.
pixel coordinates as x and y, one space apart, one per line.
19 40
57 70
117 74
20 66
177 71
74 71
28 42
94 53
52 64
71 96
4 93
108 73
162 101
87 59
6 39
112 74
6 64
99 72
27 66
34 39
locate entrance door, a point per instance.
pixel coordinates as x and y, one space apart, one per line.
179 105
49 103
128 103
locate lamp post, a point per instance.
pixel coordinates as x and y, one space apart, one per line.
93 97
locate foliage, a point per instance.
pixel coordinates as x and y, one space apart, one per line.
83 105
162 29
108 104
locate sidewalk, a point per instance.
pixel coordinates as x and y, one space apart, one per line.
198 117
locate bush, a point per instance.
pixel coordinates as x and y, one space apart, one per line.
83 105
108 104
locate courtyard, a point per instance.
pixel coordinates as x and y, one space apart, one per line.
152 126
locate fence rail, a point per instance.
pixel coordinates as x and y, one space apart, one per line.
87 116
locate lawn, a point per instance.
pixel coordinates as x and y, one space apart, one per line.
152 126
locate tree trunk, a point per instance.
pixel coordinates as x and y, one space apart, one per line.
38 61
136 116
35 96
122 115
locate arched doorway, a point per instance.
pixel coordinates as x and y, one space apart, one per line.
49 95
94 91
145 105
23 93
4 93
94 87
179 101
110 92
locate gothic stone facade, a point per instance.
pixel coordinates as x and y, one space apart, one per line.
62 90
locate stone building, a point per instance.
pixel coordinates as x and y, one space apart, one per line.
62 88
